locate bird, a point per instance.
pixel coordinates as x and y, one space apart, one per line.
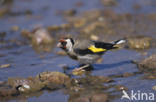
86 52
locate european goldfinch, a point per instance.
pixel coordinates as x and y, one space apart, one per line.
86 52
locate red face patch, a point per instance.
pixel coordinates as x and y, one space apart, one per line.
63 42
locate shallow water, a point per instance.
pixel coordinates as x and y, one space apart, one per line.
26 62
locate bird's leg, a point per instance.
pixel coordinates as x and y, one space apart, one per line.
81 65
85 67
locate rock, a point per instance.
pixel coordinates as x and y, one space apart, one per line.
2 35
84 18
89 14
148 66
41 35
70 12
77 22
65 26
94 37
80 99
79 4
139 42
56 28
27 34
95 80
126 74
53 79
42 40
97 27
7 91
154 88
17 86
25 85
3 11
148 76
148 63
14 28
109 2
62 53
103 79
5 65
99 98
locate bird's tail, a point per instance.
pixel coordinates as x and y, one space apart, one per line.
119 43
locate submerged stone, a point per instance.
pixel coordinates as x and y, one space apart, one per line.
99 98
139 42
70 12
109 2
148 66
7 91
25 85
62 53
40 39
53 79
148 63
5 65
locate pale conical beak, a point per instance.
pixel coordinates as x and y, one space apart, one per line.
59 45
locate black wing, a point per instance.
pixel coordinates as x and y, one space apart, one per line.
104 45
83 51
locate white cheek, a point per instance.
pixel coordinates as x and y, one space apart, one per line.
69 45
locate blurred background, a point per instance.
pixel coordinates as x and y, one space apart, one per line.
30 29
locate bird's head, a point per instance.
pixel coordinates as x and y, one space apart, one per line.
65 43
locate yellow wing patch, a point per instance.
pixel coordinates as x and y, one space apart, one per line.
94 49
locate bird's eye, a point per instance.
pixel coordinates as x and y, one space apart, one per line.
64 43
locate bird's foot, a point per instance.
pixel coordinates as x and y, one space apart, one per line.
82 69
85 67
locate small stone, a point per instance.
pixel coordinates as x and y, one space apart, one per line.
5 66
148 64
42 35
126 74
70 12
41 40
27 34
14 28
109 2
62 53
25 85
79 4
139 42
148 76
154 88
95 27
103 79
3 11
80 99
99 98
79 22
53 79
94 37
54 28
